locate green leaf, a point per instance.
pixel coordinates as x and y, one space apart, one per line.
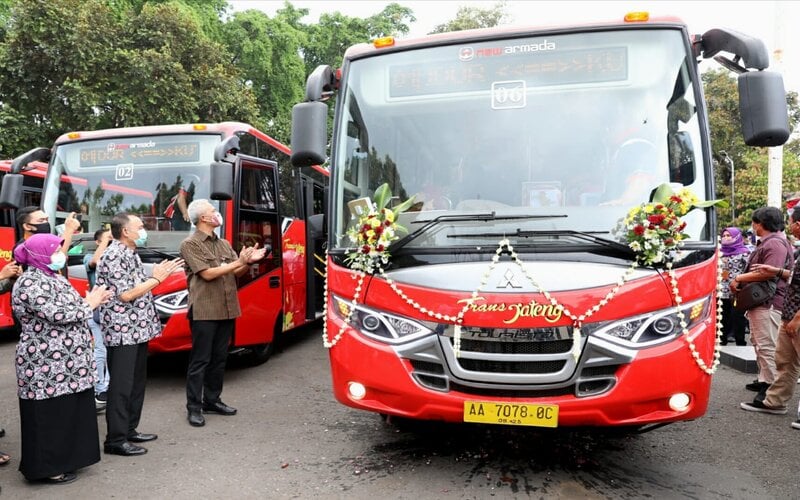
382 195
403 206
662 194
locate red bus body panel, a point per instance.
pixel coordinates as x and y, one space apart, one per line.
639 397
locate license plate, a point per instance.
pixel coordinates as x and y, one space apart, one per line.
487 412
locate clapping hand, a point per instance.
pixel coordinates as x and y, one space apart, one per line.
163 269
11 271
250 255
98 295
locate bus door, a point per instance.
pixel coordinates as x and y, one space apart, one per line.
256 222
313 202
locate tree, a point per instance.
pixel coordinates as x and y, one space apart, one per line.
468 18
750 164
267 51
329 39
79 65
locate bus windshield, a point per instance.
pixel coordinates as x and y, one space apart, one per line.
152 177
564 132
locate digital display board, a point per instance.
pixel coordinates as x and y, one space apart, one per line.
485 66
139 152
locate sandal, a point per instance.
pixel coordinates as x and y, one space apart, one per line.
64 478
4 458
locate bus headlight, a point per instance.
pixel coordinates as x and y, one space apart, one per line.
168 304
657 326
378 325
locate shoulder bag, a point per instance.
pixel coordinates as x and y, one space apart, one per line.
755 293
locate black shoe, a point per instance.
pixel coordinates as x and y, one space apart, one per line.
64 478
142 438
196 418
220 408
757 386
125 449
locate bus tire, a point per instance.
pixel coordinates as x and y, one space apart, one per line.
259 354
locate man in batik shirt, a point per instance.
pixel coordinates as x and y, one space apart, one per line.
128 322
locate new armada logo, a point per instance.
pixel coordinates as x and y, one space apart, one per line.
468 53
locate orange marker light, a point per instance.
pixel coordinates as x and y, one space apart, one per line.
199 126
385 41
74 135
637 17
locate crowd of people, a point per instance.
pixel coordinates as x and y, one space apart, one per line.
78 355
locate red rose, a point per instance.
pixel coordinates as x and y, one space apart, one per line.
365 249
379 248
638 230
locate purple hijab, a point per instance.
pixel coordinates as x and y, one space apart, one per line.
735 247
36 251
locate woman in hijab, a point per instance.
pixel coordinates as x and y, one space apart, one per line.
54 364
734 261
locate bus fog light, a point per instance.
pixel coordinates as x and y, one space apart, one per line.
356 390
680 401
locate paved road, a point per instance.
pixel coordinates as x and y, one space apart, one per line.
292 440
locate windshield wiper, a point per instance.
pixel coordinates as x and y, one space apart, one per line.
590 236
154 251
492 216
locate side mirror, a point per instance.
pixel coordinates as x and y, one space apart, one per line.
11 191
221 181
762 105
316 224
309 133
681 158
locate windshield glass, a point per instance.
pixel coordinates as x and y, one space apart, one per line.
572 130
152 177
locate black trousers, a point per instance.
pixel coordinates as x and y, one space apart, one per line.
127 367
734 323
210 340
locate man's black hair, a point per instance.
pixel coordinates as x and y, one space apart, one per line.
24 215
770 218
117 223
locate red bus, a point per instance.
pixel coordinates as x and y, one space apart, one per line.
246 174
33 178
511 300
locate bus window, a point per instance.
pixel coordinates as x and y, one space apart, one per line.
258 218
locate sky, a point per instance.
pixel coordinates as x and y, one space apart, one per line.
775 22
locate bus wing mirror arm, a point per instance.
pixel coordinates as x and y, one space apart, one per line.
19 163
229 145
752 51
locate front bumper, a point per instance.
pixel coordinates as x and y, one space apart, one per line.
610 385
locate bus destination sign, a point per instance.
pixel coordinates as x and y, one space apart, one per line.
139 153
536 69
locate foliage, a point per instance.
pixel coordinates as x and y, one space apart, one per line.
268 53
749 165
78 65
468 18
335 32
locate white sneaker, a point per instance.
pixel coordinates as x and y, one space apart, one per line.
796 424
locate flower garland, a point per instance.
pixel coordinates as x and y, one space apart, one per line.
652 244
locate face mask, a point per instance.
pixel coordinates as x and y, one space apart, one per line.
218 218
43 228
142 239
57 261
727 240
